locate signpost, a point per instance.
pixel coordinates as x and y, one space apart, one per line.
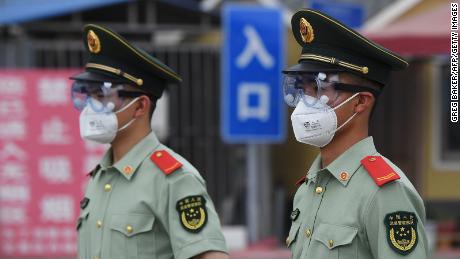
252 104
253 57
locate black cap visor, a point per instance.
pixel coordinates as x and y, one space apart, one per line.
99 77
312 66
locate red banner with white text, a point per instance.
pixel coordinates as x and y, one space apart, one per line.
43 163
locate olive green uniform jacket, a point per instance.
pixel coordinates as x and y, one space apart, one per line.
340 211
138 208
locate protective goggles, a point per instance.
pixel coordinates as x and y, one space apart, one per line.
101 96
324 88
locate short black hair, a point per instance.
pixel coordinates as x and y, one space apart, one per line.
153 105
153 99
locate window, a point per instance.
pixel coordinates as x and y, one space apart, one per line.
447 133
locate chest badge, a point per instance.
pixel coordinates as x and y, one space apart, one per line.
401 231
295 214
192 213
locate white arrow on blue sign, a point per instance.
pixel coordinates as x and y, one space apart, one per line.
253 56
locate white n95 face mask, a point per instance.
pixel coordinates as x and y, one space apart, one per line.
101 127
316 125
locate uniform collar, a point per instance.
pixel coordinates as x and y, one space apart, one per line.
314 169
129 163
345 166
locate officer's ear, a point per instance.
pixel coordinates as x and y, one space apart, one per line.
143 106
365 102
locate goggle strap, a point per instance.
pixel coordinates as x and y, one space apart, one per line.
132 94
356 88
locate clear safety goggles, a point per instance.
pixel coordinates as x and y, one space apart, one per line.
323 88
101 96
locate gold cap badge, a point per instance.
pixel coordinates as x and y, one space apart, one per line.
94 44
306 31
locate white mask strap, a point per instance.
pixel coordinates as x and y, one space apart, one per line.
127 124
345 123
347 100
124 108
129 104
352 116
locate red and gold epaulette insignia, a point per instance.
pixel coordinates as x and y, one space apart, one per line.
165 161
301 181
379 170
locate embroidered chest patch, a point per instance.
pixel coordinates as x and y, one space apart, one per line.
192 213
402 233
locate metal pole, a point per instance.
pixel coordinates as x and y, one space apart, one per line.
252 193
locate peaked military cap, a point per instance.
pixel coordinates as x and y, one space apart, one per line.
330 46
113 59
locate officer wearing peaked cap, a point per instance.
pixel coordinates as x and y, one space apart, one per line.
353 202
143 200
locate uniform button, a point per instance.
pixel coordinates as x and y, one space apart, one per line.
129 229
159 154
372 159
331 243
319 190
107 187
308 233
99 224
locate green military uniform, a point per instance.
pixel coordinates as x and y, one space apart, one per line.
340 211
361 205
152 203
132 209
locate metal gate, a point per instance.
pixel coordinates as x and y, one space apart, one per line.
194 115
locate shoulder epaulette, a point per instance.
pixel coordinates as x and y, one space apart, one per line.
301 181
379 170
167 163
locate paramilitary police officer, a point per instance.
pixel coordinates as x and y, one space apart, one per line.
353 202
143 200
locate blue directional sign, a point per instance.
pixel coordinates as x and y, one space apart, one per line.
350 14
253 57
